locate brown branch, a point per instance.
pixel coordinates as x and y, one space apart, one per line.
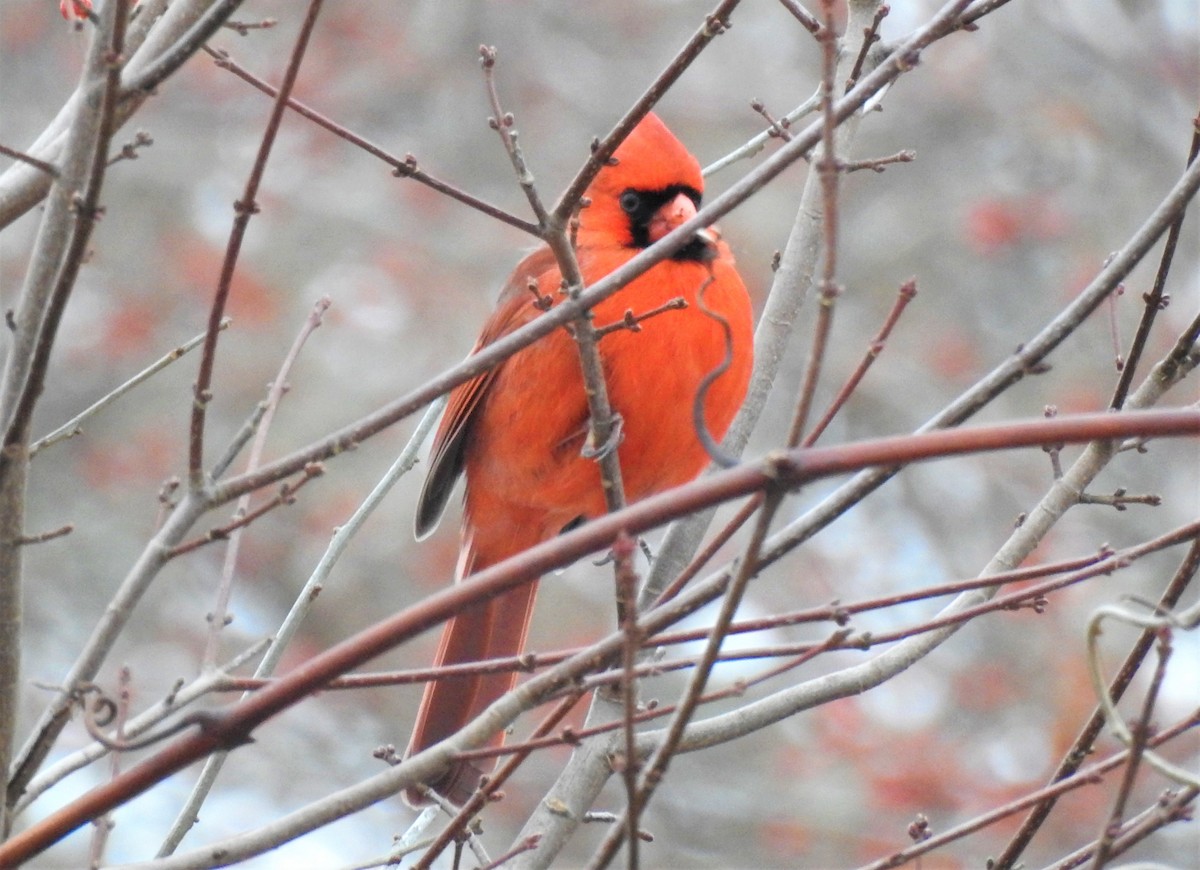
807 20
502 122
1141 733
1156 300
48 168
243 28
633 322
908 291
402 167
244 209
870 37
827 170
1114 327
703 557
43 537
715 23
1119 499
529 844
627 765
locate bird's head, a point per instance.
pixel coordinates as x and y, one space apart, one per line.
652 186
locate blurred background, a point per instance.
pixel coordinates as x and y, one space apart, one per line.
1043 141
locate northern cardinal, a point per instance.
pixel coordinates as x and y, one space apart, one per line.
517 431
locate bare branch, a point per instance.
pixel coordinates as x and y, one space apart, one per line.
74 426
402 167
244 209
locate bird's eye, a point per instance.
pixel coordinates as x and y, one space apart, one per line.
630 202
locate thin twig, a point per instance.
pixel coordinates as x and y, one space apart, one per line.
129 151
633 322
1141 733
103 825
48 168
243 515
244 209
1114 327
1089 775
243 28
759 141
402 167
1156 299
502 123
656 766
240 439
74 426
715 23
498 777
627 585
703 557
878 164
807 20
908 291
43 537
828 173
870 37
526 845
775 127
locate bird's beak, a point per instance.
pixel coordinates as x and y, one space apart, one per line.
671 216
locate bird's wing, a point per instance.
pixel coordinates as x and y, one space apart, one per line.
515 307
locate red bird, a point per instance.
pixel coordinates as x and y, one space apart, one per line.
517 431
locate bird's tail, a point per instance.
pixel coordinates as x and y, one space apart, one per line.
495 628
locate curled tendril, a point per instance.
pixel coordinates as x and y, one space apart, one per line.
1160 621
100 711
715 451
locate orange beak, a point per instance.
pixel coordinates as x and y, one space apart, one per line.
671 216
